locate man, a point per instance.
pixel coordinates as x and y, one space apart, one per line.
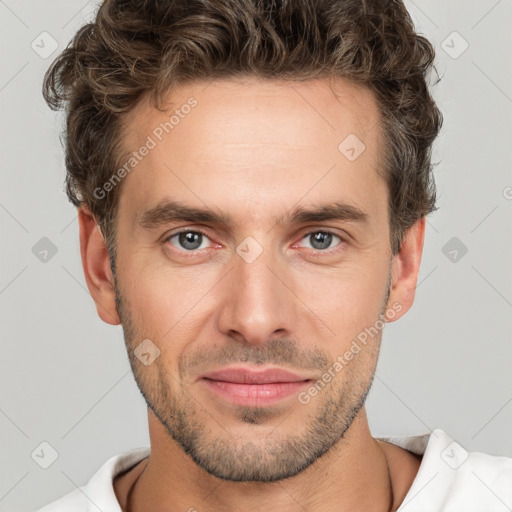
252 180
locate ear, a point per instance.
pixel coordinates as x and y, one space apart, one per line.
96 264
404 272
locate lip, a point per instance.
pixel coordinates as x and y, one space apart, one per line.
242 375
243 386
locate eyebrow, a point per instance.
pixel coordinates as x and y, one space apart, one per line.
169 211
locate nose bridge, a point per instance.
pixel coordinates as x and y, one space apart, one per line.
256 303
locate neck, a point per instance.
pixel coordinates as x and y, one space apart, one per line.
353 475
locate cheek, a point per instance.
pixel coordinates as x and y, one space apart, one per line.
350 299
152 282
165 302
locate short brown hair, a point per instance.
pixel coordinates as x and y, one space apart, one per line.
145 47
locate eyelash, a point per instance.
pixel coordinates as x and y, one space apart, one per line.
316 251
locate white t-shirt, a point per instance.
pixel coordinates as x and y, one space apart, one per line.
449 479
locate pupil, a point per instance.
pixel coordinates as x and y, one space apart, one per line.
190 240
321 240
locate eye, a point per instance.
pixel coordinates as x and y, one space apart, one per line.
188 240
193 240
321 240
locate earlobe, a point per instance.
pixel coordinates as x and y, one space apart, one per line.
405 269
96 265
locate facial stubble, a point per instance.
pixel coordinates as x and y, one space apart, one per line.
199 430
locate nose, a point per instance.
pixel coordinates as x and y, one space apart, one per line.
257 300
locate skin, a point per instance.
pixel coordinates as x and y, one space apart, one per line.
256 149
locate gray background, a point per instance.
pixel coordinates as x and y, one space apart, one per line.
65 377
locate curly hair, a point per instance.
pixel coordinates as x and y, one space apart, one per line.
136 48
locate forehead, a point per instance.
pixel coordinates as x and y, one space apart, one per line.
324 108
231 143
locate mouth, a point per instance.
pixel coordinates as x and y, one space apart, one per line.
243 386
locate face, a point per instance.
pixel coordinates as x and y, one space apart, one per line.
288 264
